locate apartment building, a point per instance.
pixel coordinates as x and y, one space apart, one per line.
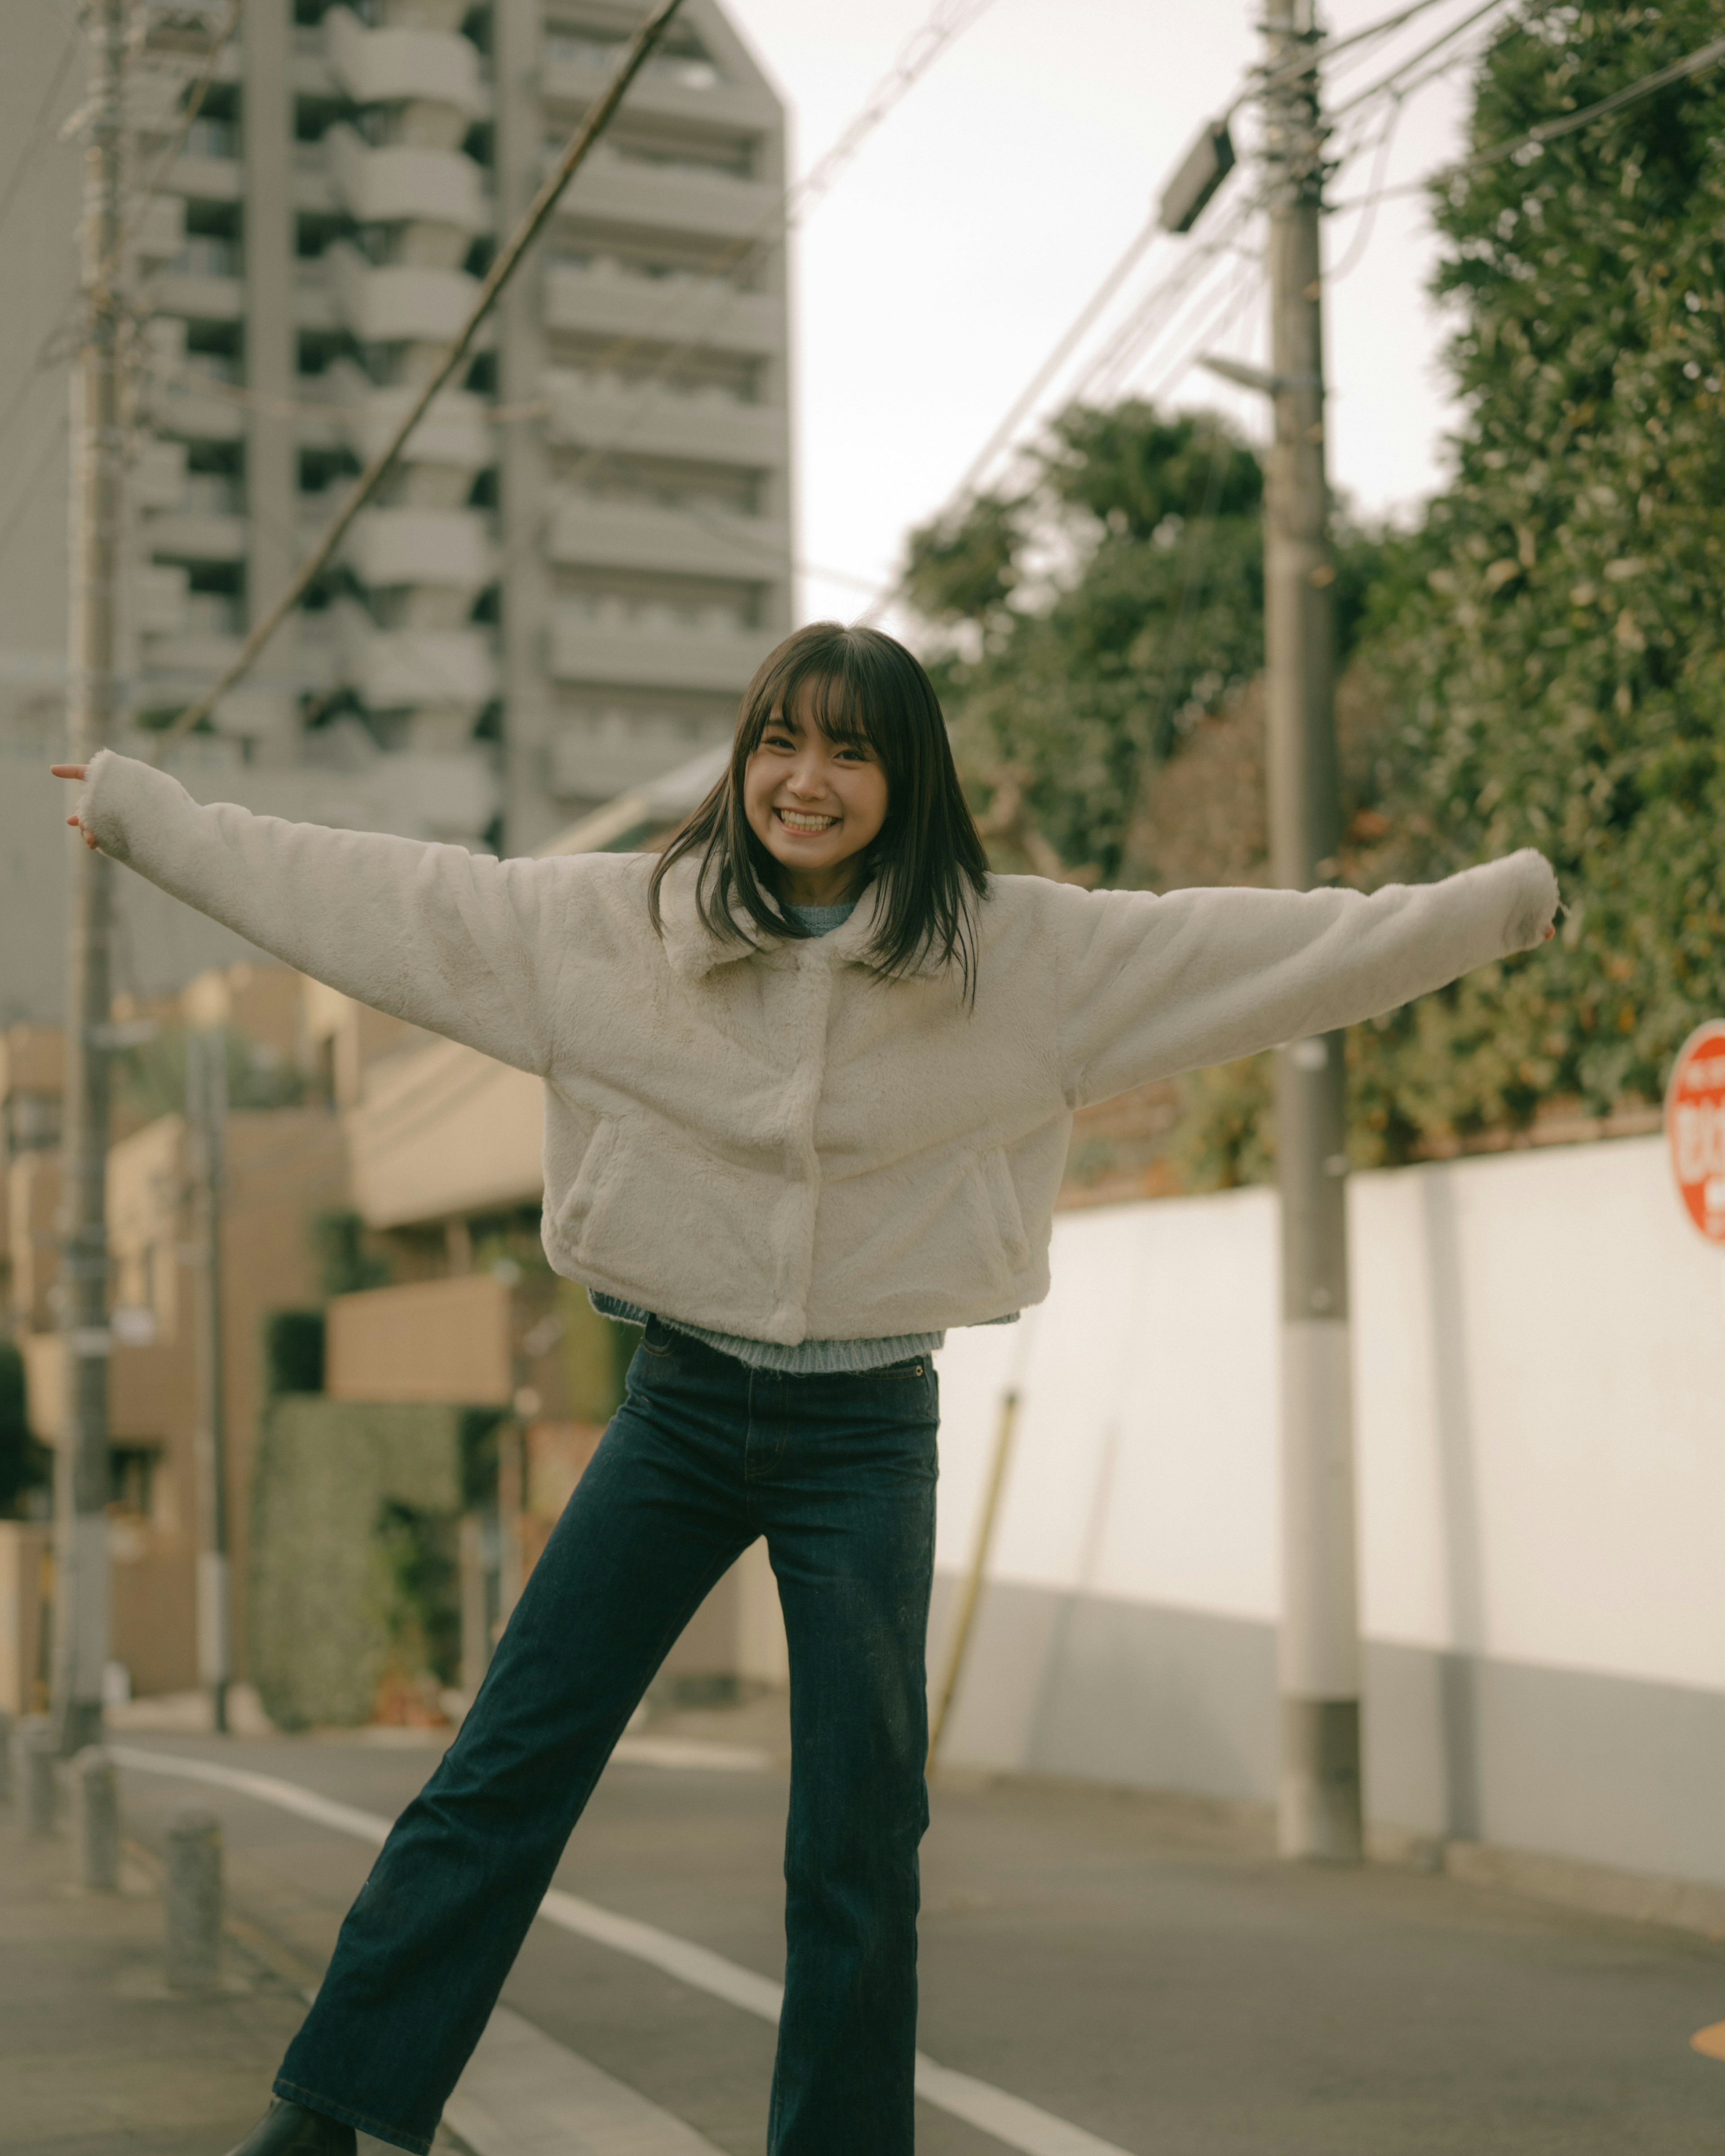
586 548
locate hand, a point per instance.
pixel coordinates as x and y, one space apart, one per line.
75 770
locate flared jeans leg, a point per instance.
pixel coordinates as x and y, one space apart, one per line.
849 1499
704 1456
654 1521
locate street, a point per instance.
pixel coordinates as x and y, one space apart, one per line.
1143 1969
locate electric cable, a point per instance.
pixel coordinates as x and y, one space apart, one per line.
1549 131
52 444
1362 238
1403 67
38 133
1320 53
915 57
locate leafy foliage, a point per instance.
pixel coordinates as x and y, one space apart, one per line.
1096 616
23 1464
1551 637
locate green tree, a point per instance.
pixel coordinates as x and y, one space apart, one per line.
1551 637
1082 626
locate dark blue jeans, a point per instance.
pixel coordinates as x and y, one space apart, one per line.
704 1456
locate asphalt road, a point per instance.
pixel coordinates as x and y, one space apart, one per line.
1149 1973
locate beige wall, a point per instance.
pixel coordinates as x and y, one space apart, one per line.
32 1194
443 1131
23 1594
283 1166
447 1339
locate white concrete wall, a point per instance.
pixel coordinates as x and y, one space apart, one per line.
1540 1373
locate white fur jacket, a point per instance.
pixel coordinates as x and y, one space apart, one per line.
773 1141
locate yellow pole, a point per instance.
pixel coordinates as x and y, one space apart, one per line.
979 1566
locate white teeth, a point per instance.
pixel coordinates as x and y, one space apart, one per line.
799 822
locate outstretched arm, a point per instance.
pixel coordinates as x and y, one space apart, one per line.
451 941
1152 986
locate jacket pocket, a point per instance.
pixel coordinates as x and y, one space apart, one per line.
574 1214
1003 1210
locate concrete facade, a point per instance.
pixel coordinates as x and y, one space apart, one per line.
585 550
1540 1351
283 1166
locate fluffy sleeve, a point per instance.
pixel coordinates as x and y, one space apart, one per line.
1150 986
454 942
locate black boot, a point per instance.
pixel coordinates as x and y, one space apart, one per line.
289 2129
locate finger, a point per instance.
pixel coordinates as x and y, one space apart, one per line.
69 770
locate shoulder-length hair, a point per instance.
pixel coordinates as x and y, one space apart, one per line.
860 686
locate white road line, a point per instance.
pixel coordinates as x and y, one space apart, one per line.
1009 2118
524 2094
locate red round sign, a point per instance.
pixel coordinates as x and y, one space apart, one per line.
1695 1126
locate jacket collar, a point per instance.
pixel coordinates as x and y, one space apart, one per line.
695 952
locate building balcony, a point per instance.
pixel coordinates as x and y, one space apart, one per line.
192 414
596 759
190 658
158 593
393 547
161 232
206 179
398 670
589 534
403 66
620 190
707 428
159 475
314 301
398 303
611 303
455 431
638 655
190 534
398 184
662 93
201 295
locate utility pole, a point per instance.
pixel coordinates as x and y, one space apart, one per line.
81 1471
206 1130
1319 1813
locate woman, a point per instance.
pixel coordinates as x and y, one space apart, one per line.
809 1079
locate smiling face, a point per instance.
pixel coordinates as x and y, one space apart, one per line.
814 803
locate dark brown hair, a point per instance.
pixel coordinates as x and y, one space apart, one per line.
861 686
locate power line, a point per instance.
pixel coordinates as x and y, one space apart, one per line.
1403 67
919 53
38 133
1321 53
1548 130
49 450
1063 350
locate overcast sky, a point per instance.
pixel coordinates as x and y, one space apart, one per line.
948 259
